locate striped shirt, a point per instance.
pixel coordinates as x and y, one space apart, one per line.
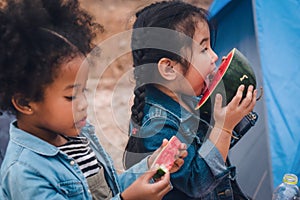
78 148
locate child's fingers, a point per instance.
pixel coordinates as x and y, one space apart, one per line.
254 99
164 143
182 146
182 151
249 97
250 100
177 165
218 103
238 96
164 185
224 58
166 190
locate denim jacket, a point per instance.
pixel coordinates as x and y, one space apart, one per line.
35 169
204 174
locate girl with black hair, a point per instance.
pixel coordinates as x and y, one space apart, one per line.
53 153
173 62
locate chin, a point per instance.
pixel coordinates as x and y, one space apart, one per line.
197 92
76 133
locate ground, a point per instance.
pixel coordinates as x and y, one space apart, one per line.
110 82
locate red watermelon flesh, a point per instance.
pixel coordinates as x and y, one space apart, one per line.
167 156
217 77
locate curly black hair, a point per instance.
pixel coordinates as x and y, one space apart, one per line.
35 37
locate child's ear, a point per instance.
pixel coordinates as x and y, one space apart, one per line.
21 104
166 68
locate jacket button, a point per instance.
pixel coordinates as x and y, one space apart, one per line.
227 192
72 162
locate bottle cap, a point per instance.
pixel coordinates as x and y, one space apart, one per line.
291 179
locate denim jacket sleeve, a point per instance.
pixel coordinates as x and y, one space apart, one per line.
203 168
27 185
130 175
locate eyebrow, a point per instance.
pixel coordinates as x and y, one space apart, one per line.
203 40
71 86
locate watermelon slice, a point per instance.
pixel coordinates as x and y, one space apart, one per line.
234 70
166 157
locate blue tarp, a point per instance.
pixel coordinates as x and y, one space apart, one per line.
276 41
278 34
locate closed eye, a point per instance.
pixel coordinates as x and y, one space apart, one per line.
70 98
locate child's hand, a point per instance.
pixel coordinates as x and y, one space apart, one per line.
142 189
229 116
181 154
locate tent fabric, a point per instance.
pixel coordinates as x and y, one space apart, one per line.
276 37
217 6
278 33
235 28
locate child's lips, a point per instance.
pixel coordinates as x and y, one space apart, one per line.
208 81
81 123
204 87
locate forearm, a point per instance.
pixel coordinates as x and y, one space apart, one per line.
204 167
221 139
202 171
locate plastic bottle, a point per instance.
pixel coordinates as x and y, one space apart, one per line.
288 189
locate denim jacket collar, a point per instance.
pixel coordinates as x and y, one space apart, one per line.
152 94
27 140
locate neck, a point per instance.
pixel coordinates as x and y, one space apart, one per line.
174 95
51 137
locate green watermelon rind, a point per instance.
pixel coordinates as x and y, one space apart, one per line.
162 170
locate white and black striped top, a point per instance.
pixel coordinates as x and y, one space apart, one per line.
78 148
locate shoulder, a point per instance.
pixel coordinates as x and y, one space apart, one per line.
158 123
159 113
22 160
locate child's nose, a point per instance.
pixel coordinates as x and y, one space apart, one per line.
83 103
214 56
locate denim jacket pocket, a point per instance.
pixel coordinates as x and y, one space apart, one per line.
71 188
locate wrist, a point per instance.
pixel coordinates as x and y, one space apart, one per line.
228 131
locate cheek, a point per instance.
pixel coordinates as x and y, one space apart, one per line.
196 79
196 73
